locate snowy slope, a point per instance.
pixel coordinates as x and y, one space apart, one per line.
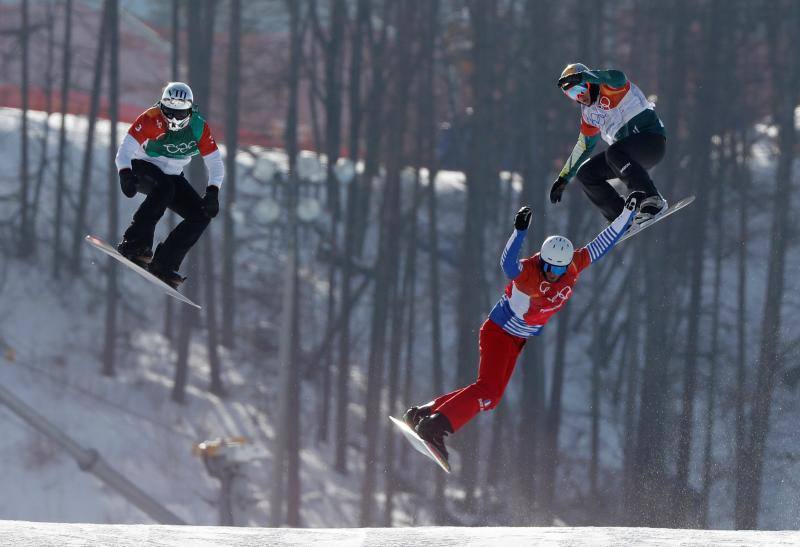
28 533
55 329
50 345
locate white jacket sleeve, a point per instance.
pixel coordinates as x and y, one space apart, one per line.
216 168
126 151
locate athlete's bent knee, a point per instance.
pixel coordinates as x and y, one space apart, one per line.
585 176
618 160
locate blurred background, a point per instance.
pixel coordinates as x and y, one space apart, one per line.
376 152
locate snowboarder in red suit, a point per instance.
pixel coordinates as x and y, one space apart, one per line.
538 288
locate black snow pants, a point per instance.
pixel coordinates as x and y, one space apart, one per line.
627 159
166 191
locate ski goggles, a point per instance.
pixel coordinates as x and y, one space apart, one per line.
553 269
575 90
176 114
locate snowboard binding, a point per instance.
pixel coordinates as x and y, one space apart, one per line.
138 253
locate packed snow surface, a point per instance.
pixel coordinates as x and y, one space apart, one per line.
37 534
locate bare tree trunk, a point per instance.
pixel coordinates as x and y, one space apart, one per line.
711 387
704 119
231 146
437 367
169 302
285 476
48 91
533 150
740 417
387 260
342 369
631 391
410 330
112 295
25 230
498 451
397 304
748 487
407 301
286 460
79 228
531 431
175 42
216 386
428 115
332 46
201 16
550 452
184 339
66 66
350 239
479 172
375 122
594 436
313 88
647 505
333 51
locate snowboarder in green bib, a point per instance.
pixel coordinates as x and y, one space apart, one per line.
150 159
616 109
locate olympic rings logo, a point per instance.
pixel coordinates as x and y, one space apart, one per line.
560 296
181 148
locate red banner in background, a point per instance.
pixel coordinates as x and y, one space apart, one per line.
79 104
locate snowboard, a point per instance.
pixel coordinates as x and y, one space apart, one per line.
633 230
101 245
421 445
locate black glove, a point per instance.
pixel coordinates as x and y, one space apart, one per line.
127 181
634 200
211 201
570 79
523 218
557 189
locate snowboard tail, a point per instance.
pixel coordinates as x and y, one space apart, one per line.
421 445
633 230
101 245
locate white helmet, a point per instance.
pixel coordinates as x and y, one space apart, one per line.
176 105
557 250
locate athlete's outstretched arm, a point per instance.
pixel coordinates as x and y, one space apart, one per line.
587 140
509 260
606 239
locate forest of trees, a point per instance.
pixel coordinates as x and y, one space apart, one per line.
678 344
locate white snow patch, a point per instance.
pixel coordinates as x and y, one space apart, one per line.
19 533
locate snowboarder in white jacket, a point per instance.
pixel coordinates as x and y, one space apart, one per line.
614 108
150 159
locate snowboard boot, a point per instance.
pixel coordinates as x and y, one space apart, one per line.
434 429
649 209
138 253
173 279
414 414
